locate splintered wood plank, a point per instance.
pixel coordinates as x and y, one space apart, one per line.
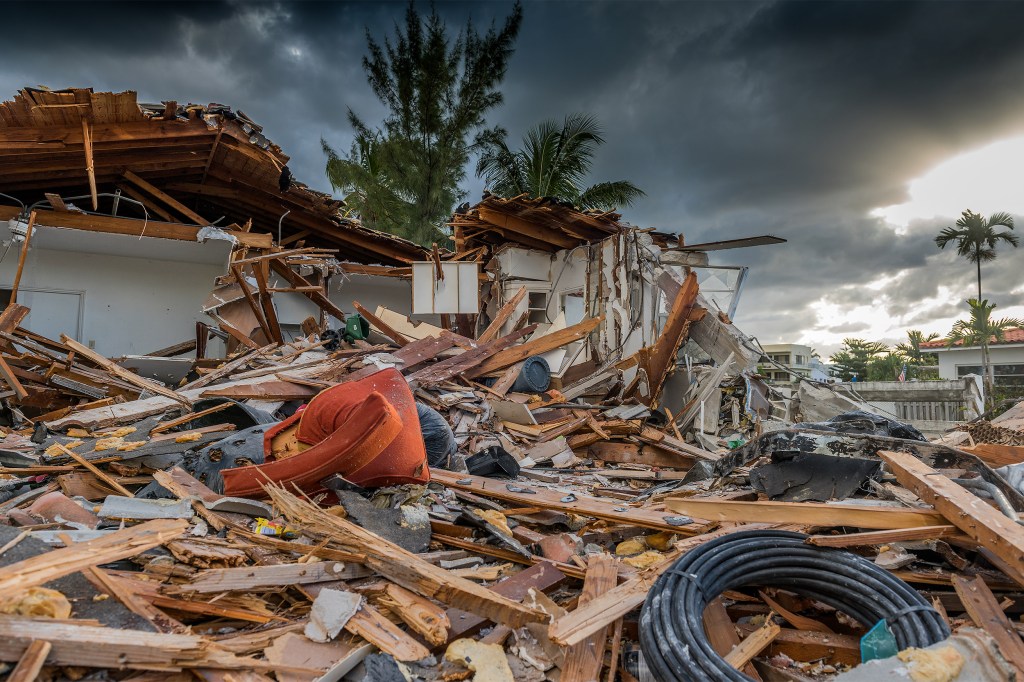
502 316
380 325
31 662
8 375
403 567
96 471
543 577
722 632
119 371
420 614
262 577
450 367
268 390
968 512
372 626
262 273
21 258
546 499
753 644
535 346
658 358
583 661
121 544
807 513
882 537
984 610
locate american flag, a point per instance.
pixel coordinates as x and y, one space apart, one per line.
903 373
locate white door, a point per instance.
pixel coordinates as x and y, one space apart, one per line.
53 313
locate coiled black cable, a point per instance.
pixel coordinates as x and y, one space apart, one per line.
672 635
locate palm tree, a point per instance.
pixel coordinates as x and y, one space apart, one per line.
912 349
553 162
981 330
976 237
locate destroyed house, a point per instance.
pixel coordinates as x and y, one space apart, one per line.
138 209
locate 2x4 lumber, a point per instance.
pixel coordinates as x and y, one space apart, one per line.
753 644
536 346
58 563
806 513
300 282
31 662
405 568
721 632
96 471
542 233
884 537
262 273
90 169
984 610
257 310
263 577
582 505
119 371
380 325
170 201
502 316
968 512
583 661
21 257
8 375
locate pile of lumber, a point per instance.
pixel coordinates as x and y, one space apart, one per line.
535 578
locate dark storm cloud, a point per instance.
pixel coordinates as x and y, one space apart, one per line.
737 118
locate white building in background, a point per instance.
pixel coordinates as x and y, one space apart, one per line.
1006 356
797 359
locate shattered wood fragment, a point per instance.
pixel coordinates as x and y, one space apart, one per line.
753 644
722 633
583 661
421 614
31 662
986 613
535 346
121 544
502 316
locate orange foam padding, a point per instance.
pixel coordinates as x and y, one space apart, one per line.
366 430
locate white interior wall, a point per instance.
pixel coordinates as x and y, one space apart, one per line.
131 305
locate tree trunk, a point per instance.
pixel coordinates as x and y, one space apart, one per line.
979 284
988 375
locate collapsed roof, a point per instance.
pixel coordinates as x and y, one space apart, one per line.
187 164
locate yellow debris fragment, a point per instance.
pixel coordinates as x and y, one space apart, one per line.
645 560
487 661
111 443
55 449
189 437
630 547
121 432
130 445
37 601
932 665
79 433
495 518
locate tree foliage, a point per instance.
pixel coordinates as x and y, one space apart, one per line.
554 161
403 176
981 330
911 349
976 237
853 357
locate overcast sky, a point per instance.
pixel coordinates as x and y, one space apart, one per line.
793 119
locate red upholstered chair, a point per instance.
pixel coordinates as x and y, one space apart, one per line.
366 430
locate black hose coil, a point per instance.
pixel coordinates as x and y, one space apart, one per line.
672 635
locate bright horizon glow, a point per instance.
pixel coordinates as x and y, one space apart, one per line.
985 180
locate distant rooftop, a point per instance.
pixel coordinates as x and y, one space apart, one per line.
1009 336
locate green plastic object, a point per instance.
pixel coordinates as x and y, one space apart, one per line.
356 328
733 444
879 642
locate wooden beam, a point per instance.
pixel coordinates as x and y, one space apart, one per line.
502 316
532 230
119 371
968 512
582 505
984 610
31 662
884 537
254 305
262 274
753 644
90 170
535 346
176 205
381 326
722 633
807 513
583 661
8 375
134 227
659 359
147 203
21 257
